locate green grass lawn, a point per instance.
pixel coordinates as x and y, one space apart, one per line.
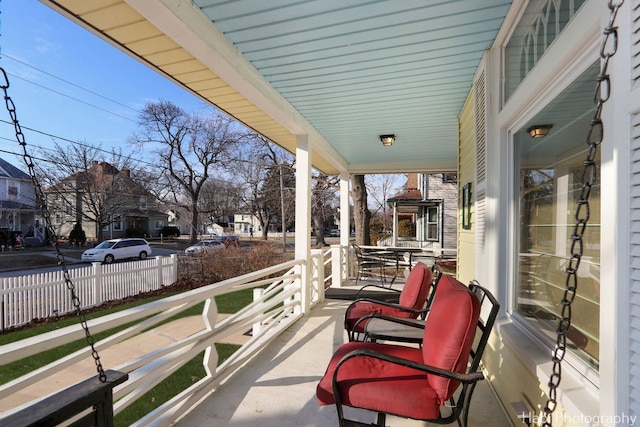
174 384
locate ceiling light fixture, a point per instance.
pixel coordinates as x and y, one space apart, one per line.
387 140
538 131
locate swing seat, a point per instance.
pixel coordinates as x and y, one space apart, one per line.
65 405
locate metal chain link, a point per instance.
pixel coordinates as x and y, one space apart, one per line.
28 160
589 175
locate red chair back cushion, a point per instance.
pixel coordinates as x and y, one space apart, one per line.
416 287
449 332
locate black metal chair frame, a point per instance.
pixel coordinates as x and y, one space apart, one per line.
372 263
460 403
421 313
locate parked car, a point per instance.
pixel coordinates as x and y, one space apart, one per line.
334 233
117 249
228 240
205 246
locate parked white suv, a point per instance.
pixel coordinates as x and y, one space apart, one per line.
117 249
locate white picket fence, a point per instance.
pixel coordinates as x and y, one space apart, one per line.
44 295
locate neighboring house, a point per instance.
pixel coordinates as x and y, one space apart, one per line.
17 205
176 218
179 218
246 224
430 202
107 202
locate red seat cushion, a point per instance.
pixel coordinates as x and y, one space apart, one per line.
416 287
449 332
380 386
414 295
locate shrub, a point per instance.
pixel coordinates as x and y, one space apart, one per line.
134 232
228 263
77 235
169 231
406 228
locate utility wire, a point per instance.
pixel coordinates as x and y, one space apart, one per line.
71 97
69 83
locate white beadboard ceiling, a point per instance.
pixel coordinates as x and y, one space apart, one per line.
342 71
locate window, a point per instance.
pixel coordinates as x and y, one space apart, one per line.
549 182
68 209
143 203
540 25
58 218
159 224
12 190
431 221
117 223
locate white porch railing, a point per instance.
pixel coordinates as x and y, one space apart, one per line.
280 304
44 295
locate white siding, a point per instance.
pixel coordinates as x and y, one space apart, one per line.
634 309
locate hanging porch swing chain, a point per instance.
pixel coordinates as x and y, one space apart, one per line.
28 160
589 174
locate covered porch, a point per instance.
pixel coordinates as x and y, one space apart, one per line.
458 84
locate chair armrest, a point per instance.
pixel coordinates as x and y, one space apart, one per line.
465 378
397 291
387 304
399 307
398 320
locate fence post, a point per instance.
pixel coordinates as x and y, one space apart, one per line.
338 265
174 268
98 286
316 282
159 271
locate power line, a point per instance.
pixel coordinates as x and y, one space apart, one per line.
71 97
68 82
102 150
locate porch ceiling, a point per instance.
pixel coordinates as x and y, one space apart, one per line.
342 72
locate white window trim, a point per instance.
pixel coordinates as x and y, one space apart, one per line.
569 56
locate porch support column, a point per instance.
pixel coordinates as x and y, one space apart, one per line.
394 233
340 263
303 217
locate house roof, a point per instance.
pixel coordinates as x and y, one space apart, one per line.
341 72
7 170
17 206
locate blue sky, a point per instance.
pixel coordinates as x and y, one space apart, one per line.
66 82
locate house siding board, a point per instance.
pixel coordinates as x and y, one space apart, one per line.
634 297
635 43
466 173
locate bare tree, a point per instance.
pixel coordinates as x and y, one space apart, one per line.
83 185
380 188
361 212
323 204
267 176
219 200
188 146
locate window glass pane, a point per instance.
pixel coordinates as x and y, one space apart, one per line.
541 23
549 183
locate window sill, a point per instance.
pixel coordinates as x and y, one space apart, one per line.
578 396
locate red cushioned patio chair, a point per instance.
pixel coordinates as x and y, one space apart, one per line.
412 302
433 383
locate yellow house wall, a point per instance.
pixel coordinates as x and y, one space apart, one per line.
512 366
466 173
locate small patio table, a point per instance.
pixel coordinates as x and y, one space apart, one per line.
398 254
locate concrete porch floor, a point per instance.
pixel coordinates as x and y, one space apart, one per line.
278 387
